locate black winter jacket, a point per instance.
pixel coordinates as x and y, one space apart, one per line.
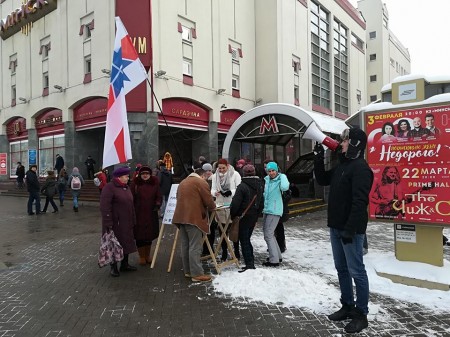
32 181
350 183
245 192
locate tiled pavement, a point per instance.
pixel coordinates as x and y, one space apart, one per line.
53 287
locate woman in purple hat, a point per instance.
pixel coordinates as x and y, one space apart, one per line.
117 207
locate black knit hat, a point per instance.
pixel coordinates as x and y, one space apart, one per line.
357 143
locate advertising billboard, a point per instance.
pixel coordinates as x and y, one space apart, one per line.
409 153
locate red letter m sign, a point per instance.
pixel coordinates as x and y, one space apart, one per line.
267 125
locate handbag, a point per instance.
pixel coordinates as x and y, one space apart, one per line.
234 227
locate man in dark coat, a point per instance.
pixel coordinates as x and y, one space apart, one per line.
90 167
250 186
165 183
117 208
350 184
20 173
59 164
33 188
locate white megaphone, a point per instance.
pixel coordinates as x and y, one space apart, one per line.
314 133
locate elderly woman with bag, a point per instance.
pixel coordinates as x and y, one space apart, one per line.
117 208
147 201
224 184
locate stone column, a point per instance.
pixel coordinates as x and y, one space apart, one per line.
144 133
70 158
207 144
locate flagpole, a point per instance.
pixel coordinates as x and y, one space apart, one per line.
168 128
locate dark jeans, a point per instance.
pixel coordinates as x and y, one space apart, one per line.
61 196
279 235
89 172
34 196
19 182
246 226
348 260
49 200
365 243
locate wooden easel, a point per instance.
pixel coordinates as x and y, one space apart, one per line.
223 236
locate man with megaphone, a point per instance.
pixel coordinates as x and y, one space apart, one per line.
350 184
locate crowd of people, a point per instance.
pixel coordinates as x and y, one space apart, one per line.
132 210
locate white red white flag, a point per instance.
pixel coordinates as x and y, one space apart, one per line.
127 72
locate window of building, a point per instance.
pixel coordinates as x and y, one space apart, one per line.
87 69
320 55
235 68
340 50
373 57
392 62
373 35
86 28
296 67
45 48
385 22
373 78
13 95
187 31
45 84
49 147
373 98
13 63
357 42
19 152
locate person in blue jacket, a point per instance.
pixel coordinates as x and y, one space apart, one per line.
275 184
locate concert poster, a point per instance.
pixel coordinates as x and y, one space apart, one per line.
409 153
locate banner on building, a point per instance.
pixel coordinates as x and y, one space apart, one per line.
409 153
3 164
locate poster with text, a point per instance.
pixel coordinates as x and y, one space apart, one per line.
409 153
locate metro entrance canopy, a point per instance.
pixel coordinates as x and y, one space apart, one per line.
277 123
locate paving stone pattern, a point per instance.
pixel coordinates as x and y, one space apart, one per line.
54 287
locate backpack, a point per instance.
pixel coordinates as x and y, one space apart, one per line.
62 181
97 182
75 184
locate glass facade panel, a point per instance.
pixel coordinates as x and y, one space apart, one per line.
341 68
18 152
49 147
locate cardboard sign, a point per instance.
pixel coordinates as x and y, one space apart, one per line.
171 204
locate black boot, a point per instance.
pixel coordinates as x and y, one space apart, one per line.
343 313
358 322
114 271
124 266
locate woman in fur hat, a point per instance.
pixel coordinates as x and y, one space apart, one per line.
147 201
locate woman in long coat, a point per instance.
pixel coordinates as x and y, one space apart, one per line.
147 201
117 208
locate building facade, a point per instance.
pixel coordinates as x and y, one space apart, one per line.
386 56
208 63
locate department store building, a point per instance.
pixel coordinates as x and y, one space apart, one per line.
208 63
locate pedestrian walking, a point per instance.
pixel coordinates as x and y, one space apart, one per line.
63 178
75 182
59 163
194 200
90 167
33 188
49 189
117 209
275 184
147 201
20 173
350 184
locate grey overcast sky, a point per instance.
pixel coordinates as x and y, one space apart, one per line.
424 28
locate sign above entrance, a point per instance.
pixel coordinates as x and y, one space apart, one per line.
268 125
227 118
183 113
90 114
49 122
16 129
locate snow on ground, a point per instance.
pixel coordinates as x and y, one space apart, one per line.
308 279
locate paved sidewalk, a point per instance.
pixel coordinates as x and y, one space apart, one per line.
51 285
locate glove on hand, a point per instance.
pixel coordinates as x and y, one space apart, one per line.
319 151
347 237
226 193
